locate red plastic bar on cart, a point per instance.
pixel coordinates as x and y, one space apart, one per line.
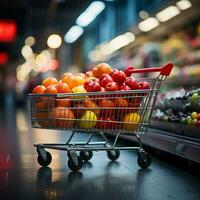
164 70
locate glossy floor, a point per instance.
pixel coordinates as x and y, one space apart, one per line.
22 178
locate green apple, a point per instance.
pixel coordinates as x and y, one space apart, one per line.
194 122
188 120
194 96
194 115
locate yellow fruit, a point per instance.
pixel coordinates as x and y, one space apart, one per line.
79 89
131 121
88 120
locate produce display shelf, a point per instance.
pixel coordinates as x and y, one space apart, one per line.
179 145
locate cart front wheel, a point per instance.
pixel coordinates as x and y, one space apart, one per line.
144 160
86 155
75 166
113 155
45 162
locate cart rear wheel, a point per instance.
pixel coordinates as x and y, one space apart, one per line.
44 162
113 155
144 160
86 155
75 166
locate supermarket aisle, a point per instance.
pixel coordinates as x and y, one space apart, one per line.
22 178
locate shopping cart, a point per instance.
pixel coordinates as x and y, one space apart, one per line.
122 112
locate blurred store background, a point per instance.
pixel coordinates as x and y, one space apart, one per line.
43 38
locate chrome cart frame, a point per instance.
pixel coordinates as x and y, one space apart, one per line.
131 114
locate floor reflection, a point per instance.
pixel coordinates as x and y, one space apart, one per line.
76 185
22 178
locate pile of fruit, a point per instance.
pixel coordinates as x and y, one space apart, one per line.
184 108
88 111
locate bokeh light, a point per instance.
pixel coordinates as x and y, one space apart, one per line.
54 41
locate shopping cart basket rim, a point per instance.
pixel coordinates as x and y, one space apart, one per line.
93 93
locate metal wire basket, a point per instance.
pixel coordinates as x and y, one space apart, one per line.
119 112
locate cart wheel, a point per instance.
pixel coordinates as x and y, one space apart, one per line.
144 160
86 155
73 166
44 162
113 155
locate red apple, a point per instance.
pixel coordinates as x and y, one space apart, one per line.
92 85
118 76
106 123
112 86
132 83
143 85
198 117
124 87
105 79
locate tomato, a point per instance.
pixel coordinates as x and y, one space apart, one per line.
51 90
62 87
49 81
40 89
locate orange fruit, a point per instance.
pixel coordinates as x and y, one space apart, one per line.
51 90
62 102
92 106
73 81
62 87
41 105
100 69
42 119
61 117
49 81
121 105
107 107
39 89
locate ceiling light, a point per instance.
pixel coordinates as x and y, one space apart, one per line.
130 36
30 41
167 13
183 4
73 34
143 14
54 41
148 24
117 43
93 10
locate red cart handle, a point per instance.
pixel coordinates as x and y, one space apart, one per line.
164 70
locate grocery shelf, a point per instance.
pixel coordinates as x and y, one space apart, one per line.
179 145
183 146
